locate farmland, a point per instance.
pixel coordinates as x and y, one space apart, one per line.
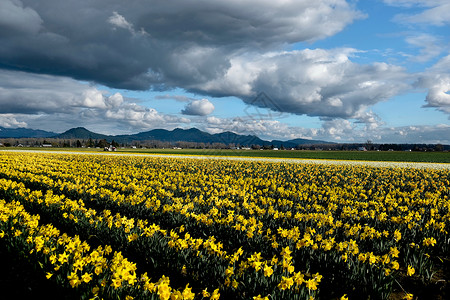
397 156
141 227
437 157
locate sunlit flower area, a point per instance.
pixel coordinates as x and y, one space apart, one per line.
111 227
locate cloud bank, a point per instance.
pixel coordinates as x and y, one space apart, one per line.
53 54
341 130
322 83
219 48
62 103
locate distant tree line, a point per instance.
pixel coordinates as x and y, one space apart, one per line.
376 147
101 143
59 143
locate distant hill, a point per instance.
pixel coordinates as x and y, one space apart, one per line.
187 135
81 133
308 142
24 133
190 135
176 135
163 135
295 142
233 138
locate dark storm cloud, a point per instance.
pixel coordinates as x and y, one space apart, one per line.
155 43
16 20
74 38
221 48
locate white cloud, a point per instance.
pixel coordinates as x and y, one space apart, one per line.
10 121
336 130
93 98
339 129
420 3
430 46
118 20
324 83
439 93
201 107
114 101
435 12
437 16
437 134
370 120
179 98
247 126
437 80
141 118
49 102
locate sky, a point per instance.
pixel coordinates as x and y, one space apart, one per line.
333 70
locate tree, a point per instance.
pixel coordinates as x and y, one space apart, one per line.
114 143
102 143
90 143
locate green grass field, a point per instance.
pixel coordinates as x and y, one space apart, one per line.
437 157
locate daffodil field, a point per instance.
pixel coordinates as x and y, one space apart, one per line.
124 227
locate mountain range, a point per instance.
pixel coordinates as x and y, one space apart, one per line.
176 135
24 133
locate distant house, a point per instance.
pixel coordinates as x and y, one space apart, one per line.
47 145
362 149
